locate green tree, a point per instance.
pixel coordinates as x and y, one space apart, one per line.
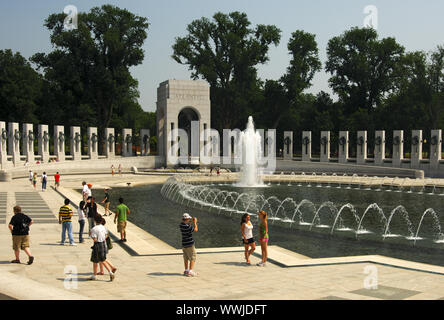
20 87
226 52
88 71
364 69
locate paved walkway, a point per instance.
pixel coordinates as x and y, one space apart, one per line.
148 268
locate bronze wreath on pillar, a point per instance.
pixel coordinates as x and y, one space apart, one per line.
305 142
342 142
361 143
378 142
111 138
324 141
31 135
94 138
4 134
61 137
17 135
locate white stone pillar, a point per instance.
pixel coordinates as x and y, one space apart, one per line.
75 140
14 139
343 147
110 143
3 145
416 151
127 143
361 150
43 143
379 147
288 145
398 148
183 147
306 145
325 146
28 138
435 149
93 143
145 142
59 142
195 142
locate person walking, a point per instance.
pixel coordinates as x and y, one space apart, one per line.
30 176
82 214
57 180
120 217
34 179
188 247
112 170
107 239
91 209
65 219
247 234
44 181
19 227
263 237
106 201
99 249
119 168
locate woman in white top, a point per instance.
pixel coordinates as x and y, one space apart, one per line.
247 235
82 213
99 249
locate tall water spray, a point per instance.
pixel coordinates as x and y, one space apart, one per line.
249 145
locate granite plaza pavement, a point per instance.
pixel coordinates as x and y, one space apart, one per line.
148 268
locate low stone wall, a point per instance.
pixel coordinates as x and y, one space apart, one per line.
87 166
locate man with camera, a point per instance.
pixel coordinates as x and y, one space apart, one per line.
189 251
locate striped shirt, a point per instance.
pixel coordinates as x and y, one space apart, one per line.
65 213
187 235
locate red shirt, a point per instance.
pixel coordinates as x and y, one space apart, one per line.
57 177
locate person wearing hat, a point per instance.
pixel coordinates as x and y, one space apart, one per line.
188 248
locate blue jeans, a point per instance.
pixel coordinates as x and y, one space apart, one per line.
67 226
82 225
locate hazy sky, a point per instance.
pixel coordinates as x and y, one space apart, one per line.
417 25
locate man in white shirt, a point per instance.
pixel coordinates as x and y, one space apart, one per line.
85 191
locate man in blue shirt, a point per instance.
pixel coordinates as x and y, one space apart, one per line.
189 251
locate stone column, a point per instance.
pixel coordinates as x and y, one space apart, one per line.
110 143
75 144
93 139
127 143
28 138
183 147
171 143
398 148
288 145
306 145
145 142
325 146
416 152
59 142
195 142
361 150
43 143
343 147
3 145
14 139
379 147
435 149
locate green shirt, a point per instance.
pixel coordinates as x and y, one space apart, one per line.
121 212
